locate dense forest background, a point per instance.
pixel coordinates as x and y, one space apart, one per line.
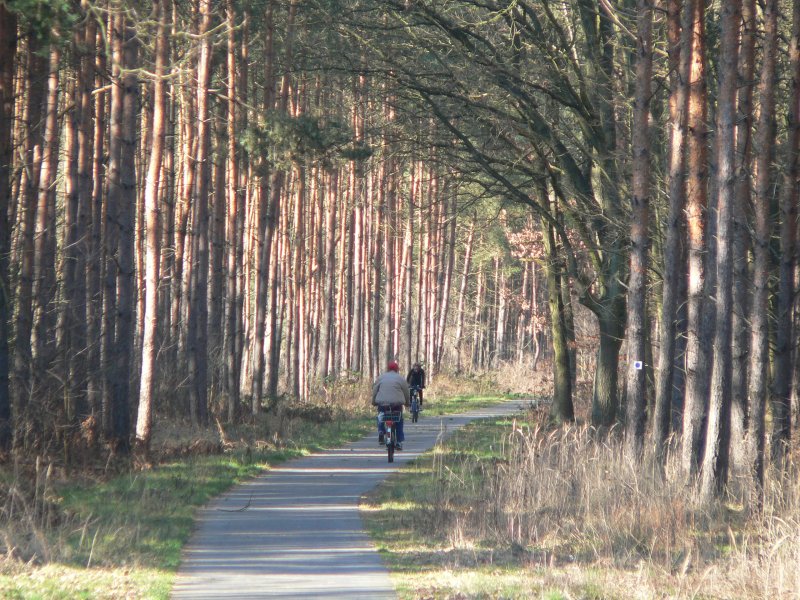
207 204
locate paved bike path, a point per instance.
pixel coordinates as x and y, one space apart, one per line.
296 532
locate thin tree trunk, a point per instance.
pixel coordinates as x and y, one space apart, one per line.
183 242
715 461
8 48
231 233
216 267
781 386
501 312
741 240
697 350
476 321
299 286
84 218
197 342
379 242
679 57
389 229
268 199
640 221
451 222
326 363
276 282
408 273
462 295
764 182
561 410
96 254
110 229
45 230
126 292
144 422
357 274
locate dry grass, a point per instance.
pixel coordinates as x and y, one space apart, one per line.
562 498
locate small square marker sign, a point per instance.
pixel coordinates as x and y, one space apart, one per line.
638 365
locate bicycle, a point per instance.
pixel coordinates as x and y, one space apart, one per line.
415 407
390 419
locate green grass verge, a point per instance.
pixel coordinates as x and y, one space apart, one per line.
123 537
464 403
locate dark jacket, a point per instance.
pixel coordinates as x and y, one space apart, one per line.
416 378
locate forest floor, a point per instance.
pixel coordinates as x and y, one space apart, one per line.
507 509
115 528
488 514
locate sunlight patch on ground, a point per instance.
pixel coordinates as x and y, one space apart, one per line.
57 581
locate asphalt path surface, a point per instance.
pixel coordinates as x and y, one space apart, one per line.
296 532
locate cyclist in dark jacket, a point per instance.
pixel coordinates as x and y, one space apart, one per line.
416 378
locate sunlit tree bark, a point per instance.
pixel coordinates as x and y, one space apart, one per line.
144 422
697 359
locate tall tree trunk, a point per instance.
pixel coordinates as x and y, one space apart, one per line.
477 354
110 225
276 284
96 254
183 242
640 221
268 206
84 218
715 461
501 308
450 249
71 327
244 191
378 242
741 239
781 386
8 48
697 350
408 274
357 274
562 409
126 292
231 229
299 285
67 353
679 58
765 153
197 342
44 260
325 362
144 421
462 294
389 229
216 267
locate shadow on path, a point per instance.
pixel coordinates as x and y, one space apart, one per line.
295 532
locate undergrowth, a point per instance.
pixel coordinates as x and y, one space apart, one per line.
114 527
513 509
